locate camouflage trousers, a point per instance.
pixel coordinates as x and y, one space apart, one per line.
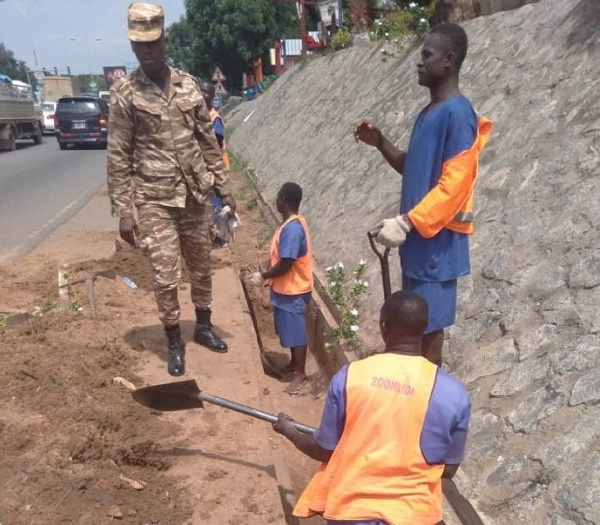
169 234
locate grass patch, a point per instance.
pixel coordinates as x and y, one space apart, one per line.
246 192
545 476
265 239
237 163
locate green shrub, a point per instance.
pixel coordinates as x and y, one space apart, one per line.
341 39
346 291
412 20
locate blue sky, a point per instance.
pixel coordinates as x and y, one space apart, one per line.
66 32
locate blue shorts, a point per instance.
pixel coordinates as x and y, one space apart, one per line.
440 297
290 327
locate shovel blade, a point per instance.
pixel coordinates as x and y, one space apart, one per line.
168 397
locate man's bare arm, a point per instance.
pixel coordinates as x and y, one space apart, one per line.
305 443
370 134
395 157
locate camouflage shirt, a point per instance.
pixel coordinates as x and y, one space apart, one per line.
161 147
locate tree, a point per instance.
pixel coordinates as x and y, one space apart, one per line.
9 65
229 34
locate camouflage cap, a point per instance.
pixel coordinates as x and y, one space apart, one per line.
145 22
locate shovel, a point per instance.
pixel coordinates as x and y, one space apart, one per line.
183 395
269 367
383 259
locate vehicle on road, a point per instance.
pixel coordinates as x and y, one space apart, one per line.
55 87
20 115
48 108
81 121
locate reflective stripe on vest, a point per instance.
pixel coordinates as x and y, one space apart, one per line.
463 216
449 204
214 115
377 471
299 279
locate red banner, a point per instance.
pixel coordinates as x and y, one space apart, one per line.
114 73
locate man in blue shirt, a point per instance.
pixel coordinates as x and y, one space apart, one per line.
393 419
439 172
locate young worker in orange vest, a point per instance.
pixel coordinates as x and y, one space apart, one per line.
208 92
290 271
393 425
439 172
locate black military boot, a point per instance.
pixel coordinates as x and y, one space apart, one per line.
176 366
204 334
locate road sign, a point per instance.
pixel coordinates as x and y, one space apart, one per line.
220 89
39 75
218 75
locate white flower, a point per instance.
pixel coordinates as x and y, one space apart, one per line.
422 20
340 265
354 312
365 284
332 283
412 5
354 328
329 268
362 262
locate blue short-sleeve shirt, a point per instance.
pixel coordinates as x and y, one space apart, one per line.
218 127
219 130
437 136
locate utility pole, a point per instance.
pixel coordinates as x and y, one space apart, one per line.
302 5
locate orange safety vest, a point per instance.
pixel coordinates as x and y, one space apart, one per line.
214 115
449 204
300 277
377 471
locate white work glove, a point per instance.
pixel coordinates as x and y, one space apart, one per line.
256 279
393 231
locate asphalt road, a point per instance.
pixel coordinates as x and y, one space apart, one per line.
41 187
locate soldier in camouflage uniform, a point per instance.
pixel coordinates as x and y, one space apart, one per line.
164 162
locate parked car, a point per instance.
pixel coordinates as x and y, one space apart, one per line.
81 120
48 109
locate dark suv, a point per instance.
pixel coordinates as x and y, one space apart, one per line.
81 120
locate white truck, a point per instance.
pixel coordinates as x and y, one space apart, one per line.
21 117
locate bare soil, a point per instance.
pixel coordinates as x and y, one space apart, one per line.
75 448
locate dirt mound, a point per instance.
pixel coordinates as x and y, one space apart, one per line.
75 449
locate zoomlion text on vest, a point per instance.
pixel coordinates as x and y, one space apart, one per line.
389 384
